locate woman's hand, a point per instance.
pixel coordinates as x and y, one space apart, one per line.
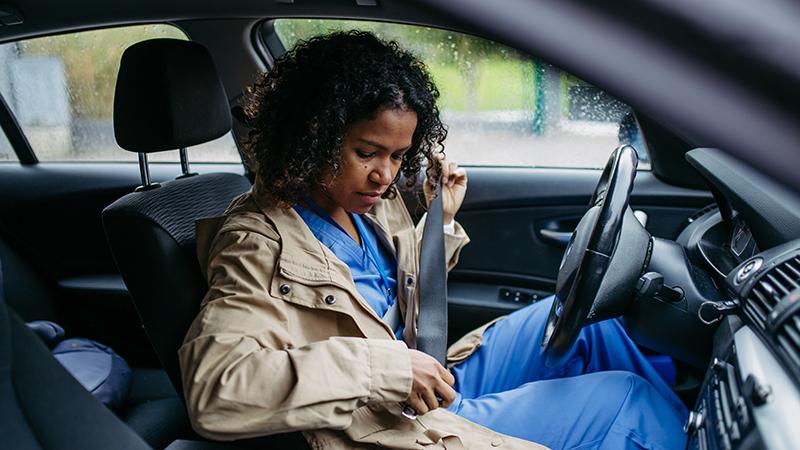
454 187
430 380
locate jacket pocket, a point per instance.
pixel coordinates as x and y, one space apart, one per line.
429 440
415 434
311 293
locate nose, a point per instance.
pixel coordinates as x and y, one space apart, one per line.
382 173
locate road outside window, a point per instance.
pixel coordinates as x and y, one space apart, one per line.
502 108
61 90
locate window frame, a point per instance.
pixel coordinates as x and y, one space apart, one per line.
16 135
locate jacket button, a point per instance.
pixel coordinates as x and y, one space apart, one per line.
330 299
285 288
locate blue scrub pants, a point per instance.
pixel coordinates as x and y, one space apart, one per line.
603 395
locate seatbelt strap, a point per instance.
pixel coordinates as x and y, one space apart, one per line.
432 321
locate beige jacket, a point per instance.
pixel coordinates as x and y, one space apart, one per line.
284 341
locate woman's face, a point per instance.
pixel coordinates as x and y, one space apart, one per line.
372 153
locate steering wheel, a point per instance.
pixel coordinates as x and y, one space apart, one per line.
603 260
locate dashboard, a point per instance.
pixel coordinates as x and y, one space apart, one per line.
749 243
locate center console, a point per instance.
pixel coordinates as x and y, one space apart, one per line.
750 397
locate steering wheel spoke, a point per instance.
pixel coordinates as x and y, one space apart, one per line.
605 257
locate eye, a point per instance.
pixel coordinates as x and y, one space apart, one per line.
364 155
398 156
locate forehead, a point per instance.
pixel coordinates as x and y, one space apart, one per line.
392 128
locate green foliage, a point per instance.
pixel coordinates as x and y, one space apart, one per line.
91 61
473 74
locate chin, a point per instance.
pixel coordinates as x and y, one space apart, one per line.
362 209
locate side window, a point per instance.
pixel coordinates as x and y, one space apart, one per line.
493 97
61 90
6 152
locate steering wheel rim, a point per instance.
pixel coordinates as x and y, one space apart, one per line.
589 254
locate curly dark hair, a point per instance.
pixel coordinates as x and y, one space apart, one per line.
300 110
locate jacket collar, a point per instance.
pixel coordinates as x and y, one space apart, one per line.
301 254
303 257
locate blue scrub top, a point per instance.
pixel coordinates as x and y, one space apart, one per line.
365 274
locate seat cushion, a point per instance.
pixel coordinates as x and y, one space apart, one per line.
154 410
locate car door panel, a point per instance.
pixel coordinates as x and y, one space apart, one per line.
509 261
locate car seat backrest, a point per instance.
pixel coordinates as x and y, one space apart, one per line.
42 406
151 235
168 96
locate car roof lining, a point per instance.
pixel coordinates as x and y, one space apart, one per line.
55 17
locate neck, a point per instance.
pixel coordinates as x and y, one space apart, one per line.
337 213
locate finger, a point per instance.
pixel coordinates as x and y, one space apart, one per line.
429 397
447 376
451 168
459 176
447 394
416 402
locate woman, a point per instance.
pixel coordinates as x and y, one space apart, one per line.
310 319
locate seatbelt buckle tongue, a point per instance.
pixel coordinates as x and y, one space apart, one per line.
411 413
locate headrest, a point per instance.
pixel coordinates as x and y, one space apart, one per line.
168 96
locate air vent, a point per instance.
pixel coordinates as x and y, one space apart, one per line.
788 335
773 305
772 287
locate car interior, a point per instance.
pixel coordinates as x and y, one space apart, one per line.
122 125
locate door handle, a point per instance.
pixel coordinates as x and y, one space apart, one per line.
557 237
562 238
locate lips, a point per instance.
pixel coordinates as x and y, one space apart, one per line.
370 198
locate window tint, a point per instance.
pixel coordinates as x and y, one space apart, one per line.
495 98
61 89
